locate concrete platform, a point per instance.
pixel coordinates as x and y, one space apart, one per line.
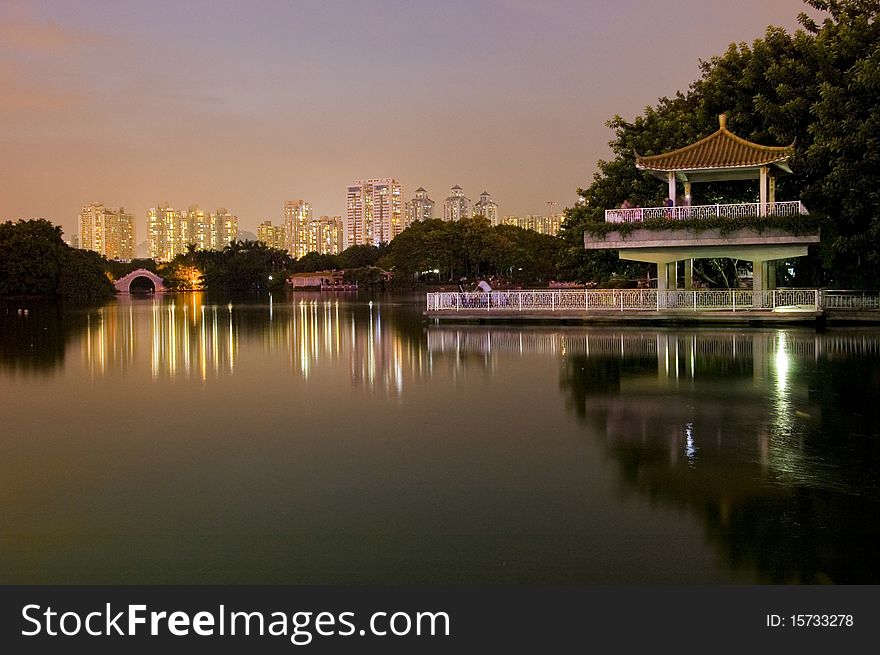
650 317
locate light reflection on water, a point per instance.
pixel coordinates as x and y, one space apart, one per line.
484 454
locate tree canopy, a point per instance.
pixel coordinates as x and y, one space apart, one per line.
472 247
34 260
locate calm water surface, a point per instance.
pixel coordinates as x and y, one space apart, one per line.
341 439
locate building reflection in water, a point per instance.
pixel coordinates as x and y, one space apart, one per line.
189 337
182 337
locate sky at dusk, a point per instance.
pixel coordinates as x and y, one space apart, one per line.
247 104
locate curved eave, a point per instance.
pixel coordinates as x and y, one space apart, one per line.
719 173
720 151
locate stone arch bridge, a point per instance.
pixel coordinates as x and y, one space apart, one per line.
123 284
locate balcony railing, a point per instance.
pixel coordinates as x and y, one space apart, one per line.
626 300
741 210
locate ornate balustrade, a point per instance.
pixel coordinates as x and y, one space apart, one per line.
680 213
626 300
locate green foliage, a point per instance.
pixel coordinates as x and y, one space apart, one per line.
473 248
34 260
819 89
313 261
597 267
360 256
240 266
31 253
365 275
794 224
82 277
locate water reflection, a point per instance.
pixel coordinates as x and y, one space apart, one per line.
747 429
34 335
191 337
356 437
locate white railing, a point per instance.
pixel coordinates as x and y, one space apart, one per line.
622 300
740 210
851 300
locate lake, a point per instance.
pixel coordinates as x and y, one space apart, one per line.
321 438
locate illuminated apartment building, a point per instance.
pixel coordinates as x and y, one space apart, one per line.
224 229
542 224
374 211
297 216
196 229
171 231
272 235
326 235
487 208
420 208
106 231
163 227
456 206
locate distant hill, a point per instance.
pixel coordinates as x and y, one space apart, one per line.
244 235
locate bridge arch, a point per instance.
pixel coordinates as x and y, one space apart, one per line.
123 284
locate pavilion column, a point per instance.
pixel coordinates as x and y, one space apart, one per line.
672 186
758 284
689 274
672 275
770 275
762 210
687 193
771 189
661 284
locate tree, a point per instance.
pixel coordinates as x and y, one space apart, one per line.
34 260
314 261
31 253
82 276
359 256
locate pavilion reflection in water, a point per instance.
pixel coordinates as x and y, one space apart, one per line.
741 428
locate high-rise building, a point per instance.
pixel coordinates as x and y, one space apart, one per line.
374 211
420 208
327 235
171 231
224 228
487 208
297 216
107 231
456 206
542 224
272 235
196 229
164 231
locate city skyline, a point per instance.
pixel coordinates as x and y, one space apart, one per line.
261 113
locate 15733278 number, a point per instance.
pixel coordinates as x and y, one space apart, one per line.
821 620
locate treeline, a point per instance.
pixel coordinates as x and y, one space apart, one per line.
34 260
428 251
473 248
254 266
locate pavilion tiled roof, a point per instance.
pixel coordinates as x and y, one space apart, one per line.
720 150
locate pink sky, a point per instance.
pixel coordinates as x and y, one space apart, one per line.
247 104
